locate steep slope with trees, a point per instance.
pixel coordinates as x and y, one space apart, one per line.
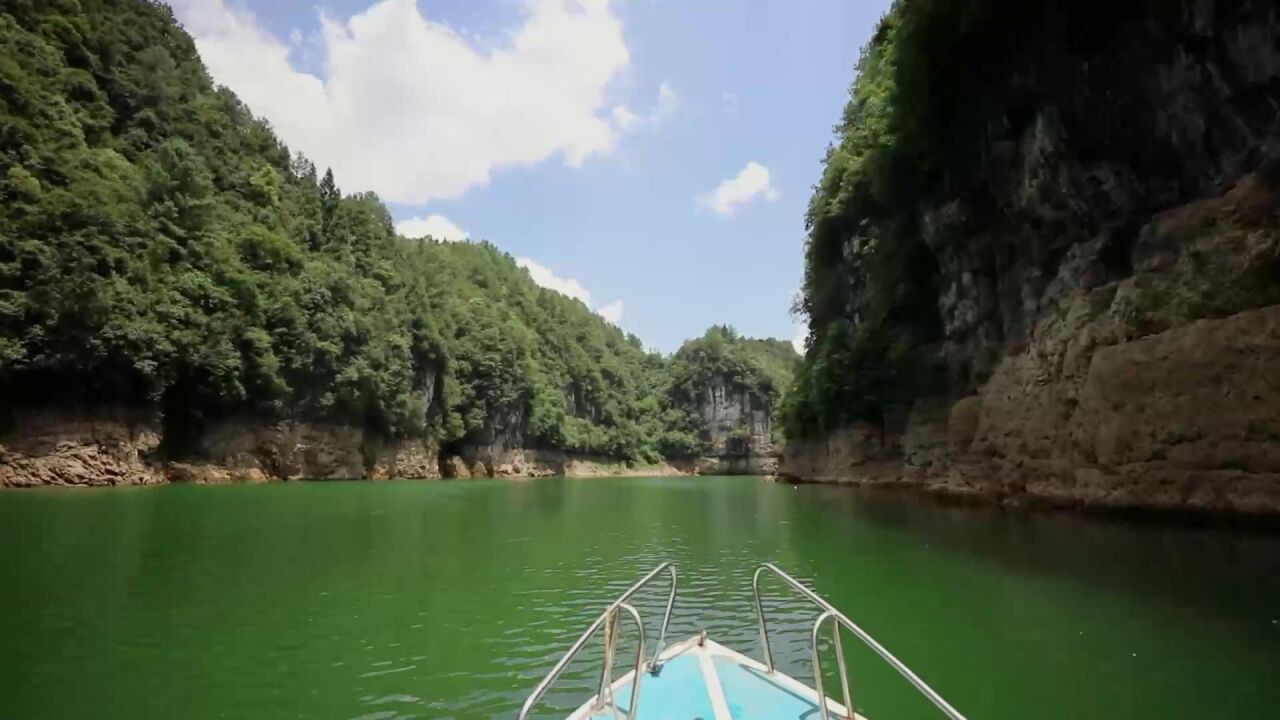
181 295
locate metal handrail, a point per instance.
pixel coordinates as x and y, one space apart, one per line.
609 616
610 612
830 613
817 665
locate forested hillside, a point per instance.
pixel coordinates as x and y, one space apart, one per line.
162 249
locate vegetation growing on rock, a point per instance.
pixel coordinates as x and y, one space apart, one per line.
979 172
161 248
763 368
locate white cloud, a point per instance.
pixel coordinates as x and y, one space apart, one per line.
545 277
666 105
410 108
750 183
664 108
612 312
624 118
438 227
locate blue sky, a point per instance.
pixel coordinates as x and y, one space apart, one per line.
586 138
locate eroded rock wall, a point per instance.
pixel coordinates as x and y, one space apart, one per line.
111 446
1159 390
106 446
1109 284
247 450
532 463
738 431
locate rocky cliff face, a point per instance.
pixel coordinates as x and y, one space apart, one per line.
737 430
1112 324
1074 196
534 463
113 446
109 446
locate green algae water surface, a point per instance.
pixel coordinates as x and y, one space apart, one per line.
451 599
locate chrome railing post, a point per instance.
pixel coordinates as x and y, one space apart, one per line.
844 671
638 670
764 631
839 618
610 618
817 664
666 619
606 672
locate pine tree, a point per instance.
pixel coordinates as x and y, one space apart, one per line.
329 196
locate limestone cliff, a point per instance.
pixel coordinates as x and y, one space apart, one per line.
736 427
1108 288
107 446
723 391
113 446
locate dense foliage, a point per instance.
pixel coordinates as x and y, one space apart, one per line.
161 248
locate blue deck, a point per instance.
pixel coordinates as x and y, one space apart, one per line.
714 683
752 695
677 693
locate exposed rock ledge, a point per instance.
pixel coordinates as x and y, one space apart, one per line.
1186 419
113 446
1159 390
523 462
103 447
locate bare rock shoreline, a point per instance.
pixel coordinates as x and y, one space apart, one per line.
116 446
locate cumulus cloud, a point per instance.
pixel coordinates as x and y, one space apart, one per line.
729 196
438 227
545 277
415 111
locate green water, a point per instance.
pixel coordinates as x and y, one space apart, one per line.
450 599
